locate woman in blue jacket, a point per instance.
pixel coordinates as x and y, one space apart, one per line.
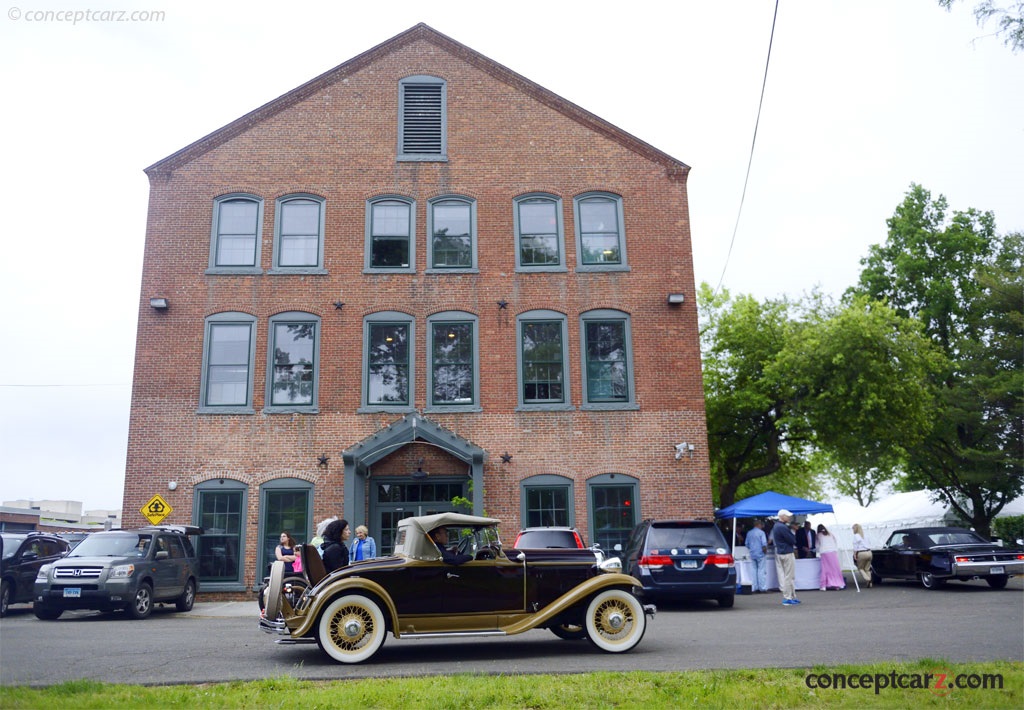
363 547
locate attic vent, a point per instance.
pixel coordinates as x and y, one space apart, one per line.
422 120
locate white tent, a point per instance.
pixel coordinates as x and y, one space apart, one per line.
901 510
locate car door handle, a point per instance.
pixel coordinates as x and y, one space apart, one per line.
452 576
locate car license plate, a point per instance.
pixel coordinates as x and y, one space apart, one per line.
73 592
688 564
997 570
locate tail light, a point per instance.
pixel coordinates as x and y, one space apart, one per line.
963 559
723 561
579 541
655 561
1020 557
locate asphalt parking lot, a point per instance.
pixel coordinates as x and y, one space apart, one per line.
219 641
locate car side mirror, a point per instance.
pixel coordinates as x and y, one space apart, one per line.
162 555
29 556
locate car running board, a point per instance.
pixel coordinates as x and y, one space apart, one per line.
451 634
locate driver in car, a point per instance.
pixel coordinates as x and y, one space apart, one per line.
440 538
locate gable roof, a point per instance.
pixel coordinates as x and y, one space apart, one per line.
416 33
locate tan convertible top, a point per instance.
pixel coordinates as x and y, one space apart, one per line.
412 538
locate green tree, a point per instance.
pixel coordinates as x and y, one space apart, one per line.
788 382
964 284
1009 20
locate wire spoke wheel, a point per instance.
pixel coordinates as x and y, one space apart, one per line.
351 629
615 621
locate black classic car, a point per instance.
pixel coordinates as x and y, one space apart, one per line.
476 588
936 555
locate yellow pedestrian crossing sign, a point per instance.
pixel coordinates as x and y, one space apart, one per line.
156 510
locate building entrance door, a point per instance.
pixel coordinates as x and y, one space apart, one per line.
394 499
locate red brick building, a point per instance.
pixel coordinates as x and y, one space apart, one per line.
418 276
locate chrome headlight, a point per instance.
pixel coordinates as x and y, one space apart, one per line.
122 571
612 564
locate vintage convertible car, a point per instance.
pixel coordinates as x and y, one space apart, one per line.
415 594
935 555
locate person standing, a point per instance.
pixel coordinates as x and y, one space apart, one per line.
757 545
806 541
785 564
862 554
363 547
335 550
286 552
828 548
318 540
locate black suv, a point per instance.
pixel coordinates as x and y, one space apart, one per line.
122 569
681 559
21 556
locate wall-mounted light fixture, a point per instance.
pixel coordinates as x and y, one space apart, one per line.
172 485
676 299
419 474
684 449
159 303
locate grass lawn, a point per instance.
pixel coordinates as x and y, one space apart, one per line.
927 683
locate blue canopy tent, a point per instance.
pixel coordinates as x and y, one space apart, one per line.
770 503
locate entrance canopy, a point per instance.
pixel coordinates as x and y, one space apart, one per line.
410 429
770 503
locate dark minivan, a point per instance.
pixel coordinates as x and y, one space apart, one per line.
681 559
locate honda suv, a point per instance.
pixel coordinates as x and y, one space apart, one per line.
122 569
681 559
21 556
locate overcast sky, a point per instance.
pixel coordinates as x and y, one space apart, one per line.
863 98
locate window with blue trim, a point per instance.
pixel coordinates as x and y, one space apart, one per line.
235 235
453 368
292 371
388 374
451 223
540 245
600 235
607 360
299 233
226 384
542 360
390 234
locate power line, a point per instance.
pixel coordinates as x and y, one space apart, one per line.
752 144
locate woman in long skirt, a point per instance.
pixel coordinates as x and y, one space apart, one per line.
828 553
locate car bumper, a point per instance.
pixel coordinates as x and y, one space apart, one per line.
114 595
987 569
684 590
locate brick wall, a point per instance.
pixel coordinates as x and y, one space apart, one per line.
339 143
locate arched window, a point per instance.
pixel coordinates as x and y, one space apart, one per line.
235 234
229 348
600 233
299 234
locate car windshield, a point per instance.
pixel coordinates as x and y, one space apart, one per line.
119 545
666 538
955 537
